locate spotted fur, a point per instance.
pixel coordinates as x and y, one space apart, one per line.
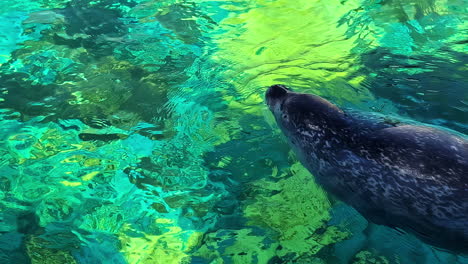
405 176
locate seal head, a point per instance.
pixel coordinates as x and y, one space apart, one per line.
405 176
298 113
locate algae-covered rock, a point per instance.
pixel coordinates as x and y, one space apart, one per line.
106 218
59 75
41 142
174 163
40 252
237 246
298 210
115 91
365 257
170 247
298 200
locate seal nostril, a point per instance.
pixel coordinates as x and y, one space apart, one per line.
277 91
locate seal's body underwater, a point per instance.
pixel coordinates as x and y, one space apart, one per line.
404 176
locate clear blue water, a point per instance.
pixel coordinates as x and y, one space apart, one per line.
135 131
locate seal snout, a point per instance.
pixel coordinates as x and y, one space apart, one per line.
276 91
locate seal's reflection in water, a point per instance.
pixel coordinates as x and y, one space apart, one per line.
404 176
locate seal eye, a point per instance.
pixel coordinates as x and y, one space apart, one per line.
285 116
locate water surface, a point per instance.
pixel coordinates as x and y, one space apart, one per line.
135 131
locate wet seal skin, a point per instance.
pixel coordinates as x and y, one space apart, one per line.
405 176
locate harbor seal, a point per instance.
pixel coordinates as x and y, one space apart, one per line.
409 177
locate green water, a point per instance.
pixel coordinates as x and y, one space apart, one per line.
135 131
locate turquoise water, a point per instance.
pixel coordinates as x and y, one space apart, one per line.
135 131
